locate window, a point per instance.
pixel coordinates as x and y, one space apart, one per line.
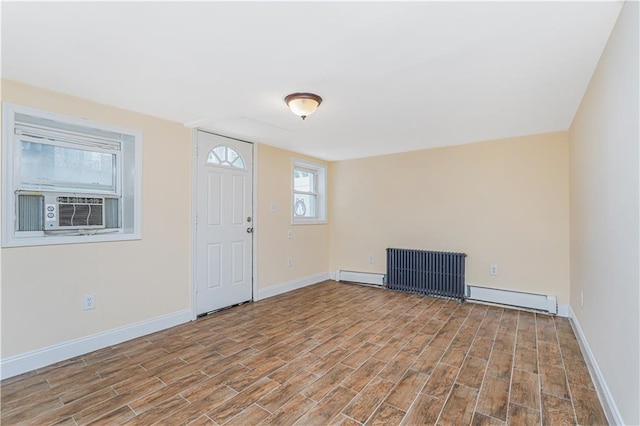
68 180
309 193
225 156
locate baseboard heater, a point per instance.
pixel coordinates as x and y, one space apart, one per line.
431 273
360 277
539 302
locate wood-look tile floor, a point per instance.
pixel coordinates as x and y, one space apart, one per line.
327 354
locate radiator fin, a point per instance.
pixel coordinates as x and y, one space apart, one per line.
426 272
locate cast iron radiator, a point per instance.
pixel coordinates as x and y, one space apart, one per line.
433 273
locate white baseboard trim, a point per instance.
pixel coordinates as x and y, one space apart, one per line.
360 277
39 358
608 403
277 289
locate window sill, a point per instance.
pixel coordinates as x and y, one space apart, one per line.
309 222
75 239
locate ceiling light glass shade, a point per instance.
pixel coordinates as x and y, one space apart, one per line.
303 104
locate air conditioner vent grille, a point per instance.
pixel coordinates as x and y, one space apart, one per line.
29 215
80 200
79 215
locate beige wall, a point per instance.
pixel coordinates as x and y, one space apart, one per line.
133 280
605 215
139 280
502 202
309 247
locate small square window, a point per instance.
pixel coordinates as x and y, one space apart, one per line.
309 193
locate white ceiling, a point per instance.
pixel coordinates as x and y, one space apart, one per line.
395 76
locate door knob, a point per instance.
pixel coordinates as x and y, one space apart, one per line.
249 230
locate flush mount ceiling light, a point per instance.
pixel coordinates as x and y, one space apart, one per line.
303 104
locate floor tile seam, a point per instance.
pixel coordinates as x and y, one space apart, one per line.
157 421
206 416
526 406
513 367
15 384
428 344
567 383
400 408
73 420
128 404
324 394
71 365
3 399
359 347
376 376
486 371
434 366
382 401
17 409
315 404
449 396
466 354
539 387
538 361
238 414
200 399
83 407
307 371
566 380
415 400
257 403
395 385
455 380
490 416
349 417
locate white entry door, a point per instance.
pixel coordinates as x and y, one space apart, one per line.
224 222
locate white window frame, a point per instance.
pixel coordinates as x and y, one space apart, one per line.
128 179
320 172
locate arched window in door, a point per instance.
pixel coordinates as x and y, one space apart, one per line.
225 156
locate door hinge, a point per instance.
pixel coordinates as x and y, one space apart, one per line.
196 220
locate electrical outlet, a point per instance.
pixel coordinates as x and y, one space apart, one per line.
581 299
493 270
289 262
372 259
89 301
272 207
290 234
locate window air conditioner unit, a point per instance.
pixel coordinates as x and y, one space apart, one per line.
71 211
56 211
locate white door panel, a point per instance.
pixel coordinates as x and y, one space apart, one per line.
224 202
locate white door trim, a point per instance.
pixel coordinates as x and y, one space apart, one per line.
194 199
194 171
255 223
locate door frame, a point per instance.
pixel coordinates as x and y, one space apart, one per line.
194 200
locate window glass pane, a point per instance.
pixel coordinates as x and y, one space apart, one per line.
225 156
231 155
220 152
212 158
304 181
238 163
304 205
44 165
